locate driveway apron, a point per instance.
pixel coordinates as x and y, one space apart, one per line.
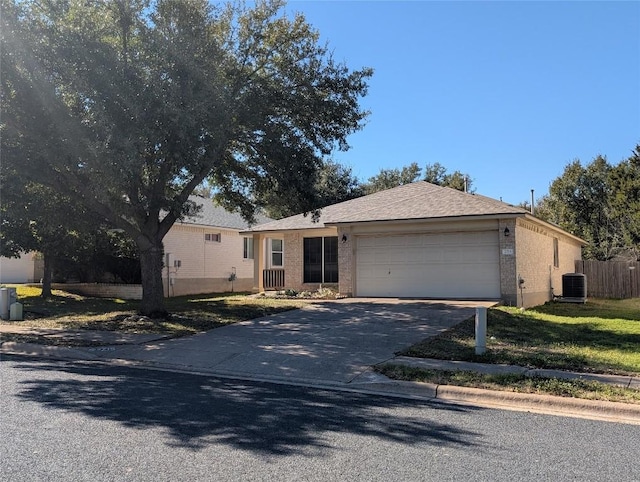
333 342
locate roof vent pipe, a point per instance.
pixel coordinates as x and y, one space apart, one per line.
532 202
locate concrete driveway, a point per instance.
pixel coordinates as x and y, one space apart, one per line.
335 342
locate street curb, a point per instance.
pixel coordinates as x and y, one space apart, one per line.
578 407
449 394
48 351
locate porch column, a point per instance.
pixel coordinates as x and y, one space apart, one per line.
258 262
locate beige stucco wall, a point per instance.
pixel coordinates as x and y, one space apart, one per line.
205 265
534 254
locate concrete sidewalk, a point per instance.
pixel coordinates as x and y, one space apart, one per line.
331 345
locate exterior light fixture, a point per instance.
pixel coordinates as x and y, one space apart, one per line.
506 232
344 238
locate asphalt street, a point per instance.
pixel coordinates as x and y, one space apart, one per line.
78 421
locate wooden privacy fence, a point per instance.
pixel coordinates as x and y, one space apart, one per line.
611 279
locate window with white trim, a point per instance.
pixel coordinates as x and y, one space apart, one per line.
556 254
277 253
212 237
247 248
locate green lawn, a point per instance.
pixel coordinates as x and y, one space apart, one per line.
189 314
600 336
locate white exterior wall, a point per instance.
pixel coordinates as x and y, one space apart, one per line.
205 265
18 270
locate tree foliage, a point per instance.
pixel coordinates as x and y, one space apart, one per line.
433 173
437 174
128 106
599 203
334 183
37 218
70 239
390 178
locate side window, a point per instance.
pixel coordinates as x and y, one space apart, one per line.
212 237
247 250
556 258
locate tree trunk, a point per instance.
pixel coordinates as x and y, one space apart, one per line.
152 304
47 275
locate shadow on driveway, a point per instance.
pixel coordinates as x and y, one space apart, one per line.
324 342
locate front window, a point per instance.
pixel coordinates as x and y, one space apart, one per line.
321 260
276 253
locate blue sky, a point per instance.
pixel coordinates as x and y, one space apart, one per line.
508 92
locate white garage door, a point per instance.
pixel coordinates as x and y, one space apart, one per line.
446 265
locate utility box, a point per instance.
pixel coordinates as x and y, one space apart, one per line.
8 296
15 311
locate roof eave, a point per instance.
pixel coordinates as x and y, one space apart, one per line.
260 231
207 226
429 219
555 227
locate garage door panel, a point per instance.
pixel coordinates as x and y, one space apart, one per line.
398 256
444 265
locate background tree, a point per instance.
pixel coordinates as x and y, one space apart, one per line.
36 218
437 174
390 178
434 173
599 203
128 107
624 191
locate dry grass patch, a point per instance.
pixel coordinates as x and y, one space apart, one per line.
189 314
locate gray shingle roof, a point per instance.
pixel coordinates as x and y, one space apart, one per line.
418 200
216 216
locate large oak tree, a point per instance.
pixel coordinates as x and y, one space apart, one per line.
128 106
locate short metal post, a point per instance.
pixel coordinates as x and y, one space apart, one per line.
4 303
481 330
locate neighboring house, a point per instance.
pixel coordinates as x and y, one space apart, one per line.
25 269
418 241
206 253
